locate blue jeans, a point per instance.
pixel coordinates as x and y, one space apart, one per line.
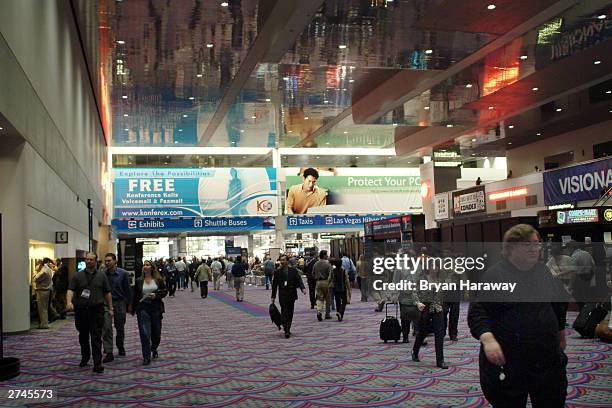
268 280
149 326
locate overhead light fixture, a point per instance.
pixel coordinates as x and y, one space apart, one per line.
325 101
426 108
185 116
395 124
210 45
511 127
191 98
535 88
342 46
601 16
253 117
449 125
356 157
345 132
468 86
428 51
125 115
224 4
597 62
126 129
180 130
268 99
306 118
523 57
538 134
124 97
290 131
120 42
199 75
559 109
608 92
491 7
233 142
473 140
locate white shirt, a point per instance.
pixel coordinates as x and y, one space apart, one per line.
180 266
216 267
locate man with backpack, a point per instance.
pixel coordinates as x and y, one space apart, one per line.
310 278
268 268
349 267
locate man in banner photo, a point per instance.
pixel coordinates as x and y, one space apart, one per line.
303 196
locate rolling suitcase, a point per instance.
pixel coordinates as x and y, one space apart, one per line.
275 316
390 328
588 319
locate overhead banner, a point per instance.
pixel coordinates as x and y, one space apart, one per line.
165 193
441 206
470 201
296 222
191 225
577 183
354 194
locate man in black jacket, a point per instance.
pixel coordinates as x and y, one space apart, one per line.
523 333
286 280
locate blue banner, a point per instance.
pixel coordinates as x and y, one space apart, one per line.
173 193
331 221
577 183
208 224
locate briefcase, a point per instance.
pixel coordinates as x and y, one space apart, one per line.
275 316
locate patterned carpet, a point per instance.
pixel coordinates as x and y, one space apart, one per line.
218 353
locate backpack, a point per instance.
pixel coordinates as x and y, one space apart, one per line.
309 268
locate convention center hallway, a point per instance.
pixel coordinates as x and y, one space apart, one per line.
216 352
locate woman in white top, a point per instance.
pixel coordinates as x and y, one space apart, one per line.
149 308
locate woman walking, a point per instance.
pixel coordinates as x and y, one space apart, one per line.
149 307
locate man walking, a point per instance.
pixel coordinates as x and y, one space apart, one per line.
286 280
121 292
90 290
322 269
310 278
268 268
203 275
181 270
217 268
239 271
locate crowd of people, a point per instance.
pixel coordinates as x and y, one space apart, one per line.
522 344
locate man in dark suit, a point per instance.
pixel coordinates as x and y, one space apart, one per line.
286 280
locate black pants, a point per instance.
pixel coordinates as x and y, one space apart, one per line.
451 318
287 307
340 298
312 292
172 288
204 289
89 322
541 376
438 328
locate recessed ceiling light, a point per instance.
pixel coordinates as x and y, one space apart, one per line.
523 57
325 101
597 62
601 16
538 134
356 157
126 129
180 130
559 109
345 132
191 98
268 99
124 96
253 117
199 75
306 118
224 4
125 115
120 42
468 86
491 7
342 46
426 108
511 127
185 116
428 51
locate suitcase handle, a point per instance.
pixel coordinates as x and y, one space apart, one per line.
386 308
